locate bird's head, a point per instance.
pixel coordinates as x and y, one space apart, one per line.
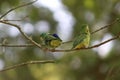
56 36
84 28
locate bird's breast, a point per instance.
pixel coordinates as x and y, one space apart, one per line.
55 43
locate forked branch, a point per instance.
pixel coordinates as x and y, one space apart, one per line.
18 27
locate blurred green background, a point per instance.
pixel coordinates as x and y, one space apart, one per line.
63 17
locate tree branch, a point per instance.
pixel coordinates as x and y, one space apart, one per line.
15 19
94 46
27 63
14 25
116 20
17 45
23 5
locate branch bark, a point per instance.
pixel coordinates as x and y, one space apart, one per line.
116 20
14 25
27 63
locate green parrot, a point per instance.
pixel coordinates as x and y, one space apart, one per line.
82 41
50 40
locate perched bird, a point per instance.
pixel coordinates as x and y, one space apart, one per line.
50 40
82 41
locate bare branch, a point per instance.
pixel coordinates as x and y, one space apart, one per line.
15 19
23 5
109 72
116 20
66 42
17 45
28 38
27 63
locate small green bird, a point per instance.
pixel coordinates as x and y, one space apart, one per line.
50 40
82 41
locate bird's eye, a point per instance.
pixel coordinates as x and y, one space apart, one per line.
86 30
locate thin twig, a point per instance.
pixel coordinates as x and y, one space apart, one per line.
23 5
12 20
27 63
67 42
109 72
15 19
116 20
17 45
28 38
115 68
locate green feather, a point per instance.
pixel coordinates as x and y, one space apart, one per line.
83 39
79 40
50 41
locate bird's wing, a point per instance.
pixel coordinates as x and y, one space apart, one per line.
79 40
56 36
50 37
52 41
